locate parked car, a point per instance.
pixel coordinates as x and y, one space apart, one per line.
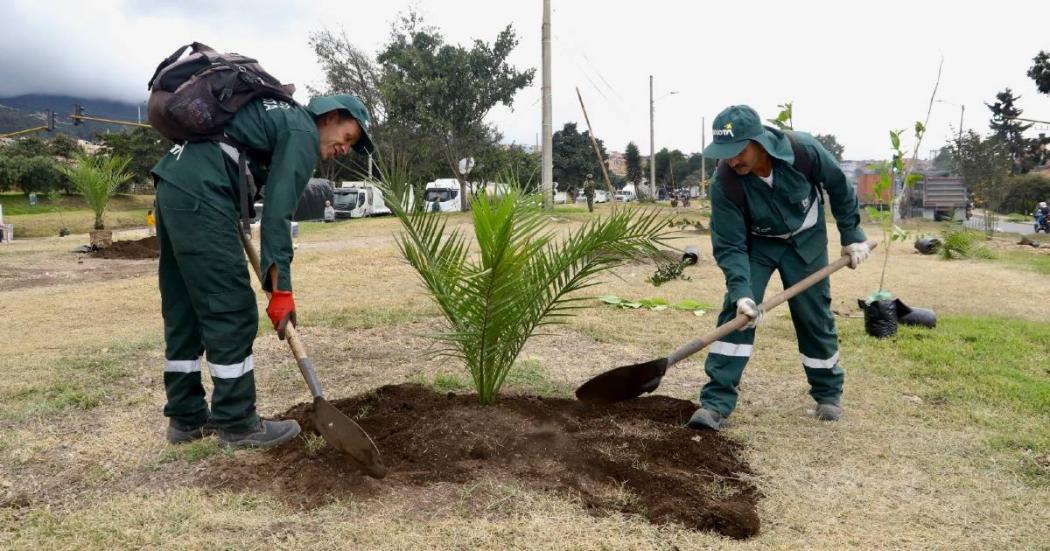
561 197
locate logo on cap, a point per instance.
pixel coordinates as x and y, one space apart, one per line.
726 130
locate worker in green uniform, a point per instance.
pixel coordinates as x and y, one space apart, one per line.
207 300
588 192
766 216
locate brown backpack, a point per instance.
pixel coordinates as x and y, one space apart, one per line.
194 98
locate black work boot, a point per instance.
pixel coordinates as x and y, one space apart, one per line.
179 433
265 434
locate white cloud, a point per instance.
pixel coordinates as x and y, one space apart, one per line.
854 69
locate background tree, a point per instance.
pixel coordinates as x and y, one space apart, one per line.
143 147
1040 72
427 99
944 160
29 165
65 146
443 90
984 164
634 163
573 157
831 143
1025 153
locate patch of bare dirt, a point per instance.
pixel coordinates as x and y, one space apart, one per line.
147 247
633 457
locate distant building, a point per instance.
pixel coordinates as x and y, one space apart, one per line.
617 163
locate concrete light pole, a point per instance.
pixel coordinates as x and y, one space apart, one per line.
548 142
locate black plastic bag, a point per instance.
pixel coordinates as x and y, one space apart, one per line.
928 245
880 317
915 316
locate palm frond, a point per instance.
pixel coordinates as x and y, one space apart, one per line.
515 274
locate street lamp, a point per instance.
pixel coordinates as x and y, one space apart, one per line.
652 137
962 113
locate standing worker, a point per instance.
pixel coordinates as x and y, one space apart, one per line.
151 223
767 214
206 296
588 191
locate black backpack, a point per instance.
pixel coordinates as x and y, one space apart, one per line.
733 186
194 98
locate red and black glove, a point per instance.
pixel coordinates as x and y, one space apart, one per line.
281 309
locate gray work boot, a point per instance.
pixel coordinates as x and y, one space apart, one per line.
828 412
266 434
706 419
179 433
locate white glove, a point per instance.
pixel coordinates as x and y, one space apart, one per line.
747 307
857 253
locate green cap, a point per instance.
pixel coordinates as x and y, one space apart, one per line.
323 104
738 124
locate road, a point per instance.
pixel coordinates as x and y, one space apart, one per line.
977 223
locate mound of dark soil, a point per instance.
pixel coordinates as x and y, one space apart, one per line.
147 247
634 457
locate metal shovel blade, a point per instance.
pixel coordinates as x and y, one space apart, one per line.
623 383
342 433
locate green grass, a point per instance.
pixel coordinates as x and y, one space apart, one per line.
362 317
44 220
528 376
82 383
992 373
192 452
1039 263
1018 217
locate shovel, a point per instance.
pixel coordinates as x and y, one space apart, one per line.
340 431
631 381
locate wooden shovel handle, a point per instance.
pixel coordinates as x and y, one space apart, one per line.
694 346
302 359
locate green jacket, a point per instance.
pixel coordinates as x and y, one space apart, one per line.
284 148
791 214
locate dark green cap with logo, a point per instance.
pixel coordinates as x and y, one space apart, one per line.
323 104
735 126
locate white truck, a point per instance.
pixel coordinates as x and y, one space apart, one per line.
358 200
441 195
626 194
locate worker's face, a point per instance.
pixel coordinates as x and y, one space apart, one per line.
337 135
745 162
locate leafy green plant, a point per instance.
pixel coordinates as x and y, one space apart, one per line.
888 174
959 242
97 178
784 120
656 304
521 277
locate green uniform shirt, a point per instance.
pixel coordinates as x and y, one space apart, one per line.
790 214
284 145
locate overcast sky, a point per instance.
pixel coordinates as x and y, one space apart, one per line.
853 69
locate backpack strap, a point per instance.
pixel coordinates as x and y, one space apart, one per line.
733 185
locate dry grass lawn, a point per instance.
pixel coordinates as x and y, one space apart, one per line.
84 464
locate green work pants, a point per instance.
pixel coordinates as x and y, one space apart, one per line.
814 329
208 307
